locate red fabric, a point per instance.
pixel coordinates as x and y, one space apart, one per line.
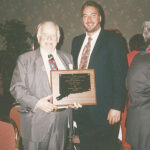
15 116
7 136
124 115
130 57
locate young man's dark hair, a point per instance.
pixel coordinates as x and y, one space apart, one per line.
98 7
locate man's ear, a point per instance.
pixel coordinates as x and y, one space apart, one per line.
58 38
100 19
38 37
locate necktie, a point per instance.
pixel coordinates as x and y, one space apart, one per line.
52 62
85 55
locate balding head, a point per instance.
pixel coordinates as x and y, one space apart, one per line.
48 35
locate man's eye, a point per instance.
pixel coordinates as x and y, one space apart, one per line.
93 15
84 16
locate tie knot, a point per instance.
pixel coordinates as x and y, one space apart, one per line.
50 56
89 39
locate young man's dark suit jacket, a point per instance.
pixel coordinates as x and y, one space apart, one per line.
110 64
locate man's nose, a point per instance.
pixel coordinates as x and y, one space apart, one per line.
89 18
49 38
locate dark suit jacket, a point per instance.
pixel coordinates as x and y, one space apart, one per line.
138 116
108 59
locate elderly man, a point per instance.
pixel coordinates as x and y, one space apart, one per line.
42 128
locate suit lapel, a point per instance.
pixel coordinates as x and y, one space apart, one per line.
98 46
42 71
78 48
63 60
79 45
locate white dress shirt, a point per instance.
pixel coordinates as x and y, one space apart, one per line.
93 41
59 64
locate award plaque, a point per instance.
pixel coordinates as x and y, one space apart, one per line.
69 86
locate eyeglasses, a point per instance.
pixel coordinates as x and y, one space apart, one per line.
48 36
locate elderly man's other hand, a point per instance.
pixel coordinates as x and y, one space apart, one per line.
114 116
45 104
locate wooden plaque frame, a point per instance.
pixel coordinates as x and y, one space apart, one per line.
85 97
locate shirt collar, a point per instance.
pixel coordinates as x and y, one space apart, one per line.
95 35
45 53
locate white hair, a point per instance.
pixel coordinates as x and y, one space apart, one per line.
146 31
39 28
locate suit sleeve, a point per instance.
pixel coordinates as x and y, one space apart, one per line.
18 87
119 71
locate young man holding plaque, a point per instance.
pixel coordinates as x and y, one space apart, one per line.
105 52
42 128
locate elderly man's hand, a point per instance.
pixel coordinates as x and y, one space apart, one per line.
114 116
45 104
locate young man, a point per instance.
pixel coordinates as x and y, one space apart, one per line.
105 52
